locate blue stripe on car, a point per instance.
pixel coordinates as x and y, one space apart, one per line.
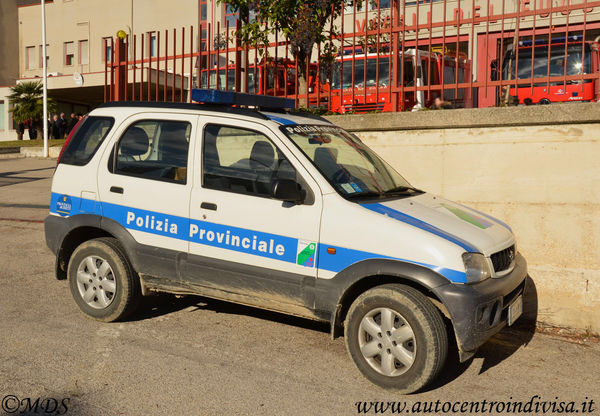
221 236
283 121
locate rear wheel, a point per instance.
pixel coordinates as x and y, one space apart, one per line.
396 337
102 280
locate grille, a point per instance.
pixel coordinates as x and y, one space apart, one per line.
504 259
363 108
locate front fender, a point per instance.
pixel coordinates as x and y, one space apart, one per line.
335 295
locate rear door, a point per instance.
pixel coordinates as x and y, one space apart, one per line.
242 240
144 181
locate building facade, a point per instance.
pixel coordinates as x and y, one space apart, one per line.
164 40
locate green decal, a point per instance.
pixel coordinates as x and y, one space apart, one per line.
465 216
306 254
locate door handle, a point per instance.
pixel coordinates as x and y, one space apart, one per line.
208 205
116 189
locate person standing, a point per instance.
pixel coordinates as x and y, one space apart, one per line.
20 130
62 125
55 127
72 123
31 129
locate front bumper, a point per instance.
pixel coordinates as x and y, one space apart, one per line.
479 311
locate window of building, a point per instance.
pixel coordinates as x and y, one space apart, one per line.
1 115
155 149
30 57
47 57
242 161
230 16
106 48
203 36
374 5
84 52
69 51
203 9
152 45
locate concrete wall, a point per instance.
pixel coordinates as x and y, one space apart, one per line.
536 168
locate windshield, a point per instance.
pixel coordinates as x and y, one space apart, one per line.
359 73
344 70
574 64
230 82
351 168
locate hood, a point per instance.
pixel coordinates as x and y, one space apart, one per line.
463 226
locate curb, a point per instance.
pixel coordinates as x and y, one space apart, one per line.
17 152
9 150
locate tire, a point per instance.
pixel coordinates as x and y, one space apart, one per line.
396 337
102 281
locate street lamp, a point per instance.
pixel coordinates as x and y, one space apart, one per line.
45 80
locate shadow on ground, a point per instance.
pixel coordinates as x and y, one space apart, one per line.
499 348
163 304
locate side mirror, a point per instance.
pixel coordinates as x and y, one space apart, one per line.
287 190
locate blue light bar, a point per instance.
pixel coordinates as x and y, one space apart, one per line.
229 98
544 41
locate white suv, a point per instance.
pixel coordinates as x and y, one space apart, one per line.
280 211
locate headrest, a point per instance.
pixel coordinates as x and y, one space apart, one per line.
173 144
262 152
135 142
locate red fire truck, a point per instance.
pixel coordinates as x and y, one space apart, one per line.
280 80
361 83
561 57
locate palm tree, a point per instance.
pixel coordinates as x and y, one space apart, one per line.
28 103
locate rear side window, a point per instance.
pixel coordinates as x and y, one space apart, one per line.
154 149
86 141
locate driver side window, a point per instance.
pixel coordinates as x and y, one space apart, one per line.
242 161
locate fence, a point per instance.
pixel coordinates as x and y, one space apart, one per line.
391 56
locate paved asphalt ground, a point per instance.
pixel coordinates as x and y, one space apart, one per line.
196 356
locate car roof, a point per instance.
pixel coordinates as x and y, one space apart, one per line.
281 117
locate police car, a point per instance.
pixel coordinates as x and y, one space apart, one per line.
281 211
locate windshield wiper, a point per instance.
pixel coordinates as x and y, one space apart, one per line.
401 190
365 194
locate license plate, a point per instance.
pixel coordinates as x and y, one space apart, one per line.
515 310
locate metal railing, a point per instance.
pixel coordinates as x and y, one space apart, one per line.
411 55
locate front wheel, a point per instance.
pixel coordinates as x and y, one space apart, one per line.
396 337
102 281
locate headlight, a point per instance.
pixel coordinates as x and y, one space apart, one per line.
476 266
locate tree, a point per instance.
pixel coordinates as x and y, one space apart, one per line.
28 103
304 23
